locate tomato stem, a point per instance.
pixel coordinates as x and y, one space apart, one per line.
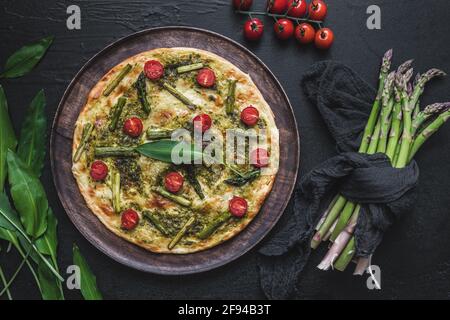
277 16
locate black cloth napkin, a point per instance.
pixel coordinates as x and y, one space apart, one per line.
344 100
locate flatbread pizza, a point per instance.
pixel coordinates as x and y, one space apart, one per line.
175 150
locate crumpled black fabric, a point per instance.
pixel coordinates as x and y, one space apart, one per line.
385 193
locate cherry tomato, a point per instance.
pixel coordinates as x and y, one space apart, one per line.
129 219
305 33
253 29
133 127
324 38
238 207
153 69
259 158
317 10
284 29
202 122
206 78
297 8
173 181
99 170
277 6
242 4
250 116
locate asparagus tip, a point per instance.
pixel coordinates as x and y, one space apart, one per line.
436 108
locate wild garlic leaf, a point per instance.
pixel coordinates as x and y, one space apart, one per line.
31 147
48 242
7 137
9 219
28 196
89 288
26 58
51 288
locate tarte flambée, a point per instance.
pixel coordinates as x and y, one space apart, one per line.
147 200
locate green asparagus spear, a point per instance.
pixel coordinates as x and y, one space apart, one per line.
116 113
181 233
210 228
244 179
432 128
115 82
85 135
115 186
231 97
190 67
156 222
154 134
407 115
427 113
192 178
177 94
386 111
104 152
175 198
141 88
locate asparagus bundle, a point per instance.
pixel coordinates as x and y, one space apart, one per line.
396 127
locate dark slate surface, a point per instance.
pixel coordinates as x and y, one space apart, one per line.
414 258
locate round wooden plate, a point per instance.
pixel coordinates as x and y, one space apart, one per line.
73 101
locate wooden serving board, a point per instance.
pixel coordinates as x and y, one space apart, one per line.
73 101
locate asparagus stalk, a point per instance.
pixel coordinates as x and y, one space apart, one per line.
85 135
210 228
329 221
192 178
141 88
190 67
394 133
154 134
239 181
231 97
407 115
116 113
115 82
175 198
431 129
427 113
327 212
115 186
385 67
177 94
156 222
340 241
104 152
388 105
181 233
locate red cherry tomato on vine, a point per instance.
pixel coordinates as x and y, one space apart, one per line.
259 158
202 122
324 38
206 78
317 10
277 6
99 170
153 69
242 4
173 181
238 206
129 219
305 33
297 8
253 29
133 127
284 29
250 116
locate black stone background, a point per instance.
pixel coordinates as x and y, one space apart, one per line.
415 255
